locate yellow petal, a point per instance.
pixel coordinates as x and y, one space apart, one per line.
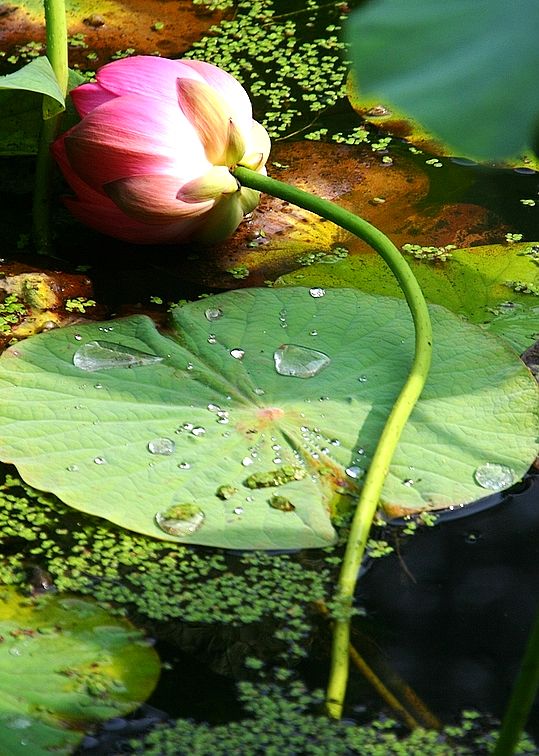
217 181
209 113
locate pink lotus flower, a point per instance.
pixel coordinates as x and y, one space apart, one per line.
149 162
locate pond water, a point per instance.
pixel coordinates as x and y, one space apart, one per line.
449 610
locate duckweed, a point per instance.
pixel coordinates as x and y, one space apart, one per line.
291 81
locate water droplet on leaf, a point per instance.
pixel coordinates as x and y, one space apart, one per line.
317 292
184 466
299 361
198 431
408 482
181 519
354 471
237 353
163 446
103 355
494 476
72 468
100 460
213 313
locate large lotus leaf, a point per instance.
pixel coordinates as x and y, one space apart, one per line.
475 282
466 69
65 664
206 434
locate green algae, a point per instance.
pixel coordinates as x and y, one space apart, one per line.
288 722
156 580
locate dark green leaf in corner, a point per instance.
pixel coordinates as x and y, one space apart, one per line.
258 417
465 69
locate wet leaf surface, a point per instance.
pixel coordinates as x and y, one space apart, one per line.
65 664
395 198
477 283
259 416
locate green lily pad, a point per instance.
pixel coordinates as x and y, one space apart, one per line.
250 425
464 69
474 282
65 664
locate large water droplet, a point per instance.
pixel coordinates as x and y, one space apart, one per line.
299 361
354 471
493 476
163 446
181 519
317 292
238 354
104 355
213 313
198 431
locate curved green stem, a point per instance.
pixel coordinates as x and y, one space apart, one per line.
55 20
409 394
522 696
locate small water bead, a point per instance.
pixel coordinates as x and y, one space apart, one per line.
277 460
163 446
198 431
408 482
188 426
335 442
259 391
317 292
314 332
238 354
184 466
104 355
283 318
98 385
181 519
362 379
212 339
354 472
299 361
72 468
189 366
246 461
78 337
276 447
213 407
238 510
213 313
472 537
493 476
100 460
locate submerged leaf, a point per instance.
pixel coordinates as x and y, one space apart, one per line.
65 664
140 445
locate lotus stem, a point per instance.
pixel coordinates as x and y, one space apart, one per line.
402 408
522 696
56 26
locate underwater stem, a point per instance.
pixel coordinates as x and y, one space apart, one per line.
409 394
55 20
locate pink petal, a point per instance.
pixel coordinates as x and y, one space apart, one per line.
80 187
145 74
152 199
133 135
107 218
87 97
